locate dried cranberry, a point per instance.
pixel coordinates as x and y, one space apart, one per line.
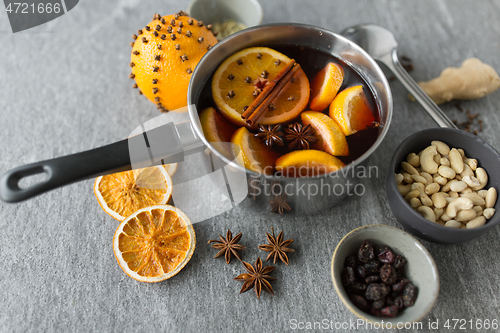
377 305
375 312
376 291
366 252
388 274
359 301
399 262
350 261
372 278
389 301
348 276
398 301
401 273
372 267
360 271
410 294
389 311
386 256
399 286
358 288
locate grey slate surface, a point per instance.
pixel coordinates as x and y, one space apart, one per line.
64 89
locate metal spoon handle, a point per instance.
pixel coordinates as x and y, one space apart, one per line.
392 62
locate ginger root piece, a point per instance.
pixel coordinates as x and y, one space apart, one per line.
474 79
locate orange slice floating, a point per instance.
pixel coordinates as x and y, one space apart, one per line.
307 163
250 70
124 193
351 110
154 243
325 86
330 135
218 131
252 153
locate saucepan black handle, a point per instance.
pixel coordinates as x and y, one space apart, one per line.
161 145
65 170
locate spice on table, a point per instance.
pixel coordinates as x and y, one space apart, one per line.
227 28
257 277
277 247
279 204
228 246
270 135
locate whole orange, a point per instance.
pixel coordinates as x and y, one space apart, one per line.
164 55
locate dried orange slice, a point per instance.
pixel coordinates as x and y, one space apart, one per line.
330 136
351 110
124 193
325 86
251 153
250 70
307 163
154 243
170 168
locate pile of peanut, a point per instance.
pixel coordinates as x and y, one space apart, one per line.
446 187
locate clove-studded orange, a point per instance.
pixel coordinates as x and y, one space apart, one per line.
164 55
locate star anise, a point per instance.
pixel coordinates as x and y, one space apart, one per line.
277 247
257 278
270 135
228 246
299 136
279 205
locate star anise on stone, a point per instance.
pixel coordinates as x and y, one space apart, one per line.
270 135
277 247
227 246
279 204
299 136
257 277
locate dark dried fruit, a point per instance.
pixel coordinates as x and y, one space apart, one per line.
350 261
389 301
376 291
399 261
348 276
366 252
410 294
377 305
398 301
388 274
389 311
359 301
358 288
372 279
386 256
360 271
372 267
399 286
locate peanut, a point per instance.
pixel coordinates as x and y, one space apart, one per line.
409 168
399 178
458 186
453 224
477 222
432 188
466 215
457 164
446 172
415 203
491 197
427 213
488 213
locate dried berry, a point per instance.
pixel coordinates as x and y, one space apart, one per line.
358 288
389 311
376 291
359 301
388 274
350 261
366 252
398 301
389 301
377 305
386 256
360 271
399 286
348 276
372 267
410 294
399 261
372 279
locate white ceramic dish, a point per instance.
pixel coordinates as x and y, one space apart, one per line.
420 269
248 12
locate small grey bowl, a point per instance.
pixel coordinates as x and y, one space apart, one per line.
420 269
248 12
411 220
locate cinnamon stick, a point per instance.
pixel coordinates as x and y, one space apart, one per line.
262 108
265 92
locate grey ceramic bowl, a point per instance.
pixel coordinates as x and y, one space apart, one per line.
248 12
420 269
411 220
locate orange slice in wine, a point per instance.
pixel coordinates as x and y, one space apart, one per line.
246 73
325 86
307 163
330 136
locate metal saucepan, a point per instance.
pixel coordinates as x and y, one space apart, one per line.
171 143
